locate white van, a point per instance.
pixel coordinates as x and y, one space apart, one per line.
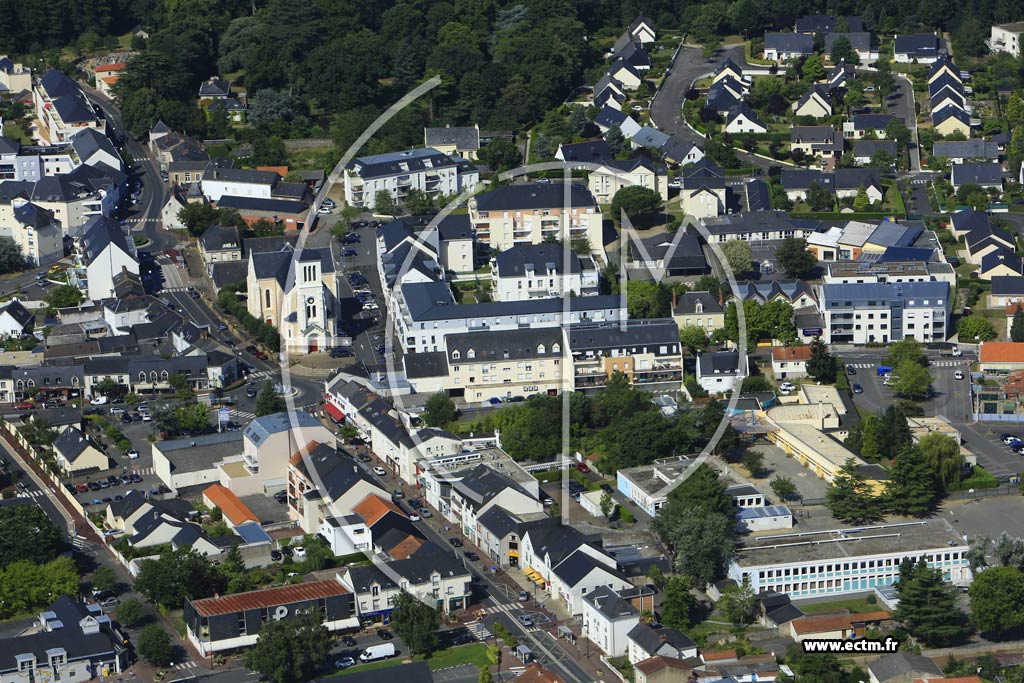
376 652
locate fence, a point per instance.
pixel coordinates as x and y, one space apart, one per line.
996 417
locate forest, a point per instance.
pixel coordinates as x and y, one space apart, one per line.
324 66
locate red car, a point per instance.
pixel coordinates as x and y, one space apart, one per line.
24 406
581 467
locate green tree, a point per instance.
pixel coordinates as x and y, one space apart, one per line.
821 366
737 255
607 504
850 498
974 327
130 612
384 203
927 607
178 574
11 258
912 488
439 410
104 579
841 51
27 534
656 576
155 645
694 338
501 155
997 600
882 160
702 542
193 417
738 602
913 381
417 202
942 453
818 198
267 401
861 202
648 299
754 462
638 202
815 667
1017 328
678 604
794 259
813 69
907 349
291 650
416 624
783 487
63 296
615 139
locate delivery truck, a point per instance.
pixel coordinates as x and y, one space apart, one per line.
377 652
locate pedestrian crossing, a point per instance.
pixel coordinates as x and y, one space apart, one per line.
164 290
934 364
242 414
32 494
182 666
510 610
478 631
263 374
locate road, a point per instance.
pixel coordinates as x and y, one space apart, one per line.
903 107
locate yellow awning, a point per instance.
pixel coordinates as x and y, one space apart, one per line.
513 553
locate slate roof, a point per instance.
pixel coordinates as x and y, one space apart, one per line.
1002 257
649 137
215 87
588 150
534 196
903 664
676 148
546 260
918 45
276 264
71 443
463 137
482 483
498 521
651 639
243 175
821 90
578 565
801 179
220 237
89 141
608 603
865 148
609 116
855 178
650 333
67 98
798 43
396 163
966 149
229 272
719 362
889 234
745 110
262 427
507 344
683 250
335 473
1007 285
101 232
871 121
812 133
981 173
687 303
34 216
860 41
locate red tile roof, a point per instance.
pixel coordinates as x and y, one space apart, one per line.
716 655
659 662
835 623
234 509
373 507
797 353
1002 352
269 597
535 673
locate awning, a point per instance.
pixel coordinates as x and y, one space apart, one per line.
334 412
513 553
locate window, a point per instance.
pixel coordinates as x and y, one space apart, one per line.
456 355
267 299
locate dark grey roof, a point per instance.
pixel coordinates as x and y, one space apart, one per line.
229 272
677 148
552 538
982 173
215 87
947 93
859 40
757 195
801 179
218 237
243 175
682 249
872 121
651 639
943 60
68 99
902 664
336 474
966 149
227 104
426 364
854 178
789 42
918 45
946 80
823 91
20 314
101 232
865 148
463 137
71 443
545 260
687 303
653 333
578 565
719 362
89 141
746 111
609 604
276 264
9 146
277 206
498 521
455 227
970 220
433 301
517 344
609 116
534 196
635 55
1007 285
649 137
588 150
812 133
430 559
395 163
1002 257
482 483
256 245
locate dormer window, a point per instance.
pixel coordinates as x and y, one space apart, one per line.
540 349
471 354
456 355
699 308
556 348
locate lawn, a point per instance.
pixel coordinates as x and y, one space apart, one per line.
474 653
855 605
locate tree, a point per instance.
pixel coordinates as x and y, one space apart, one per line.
607 504
417 202
1017 328
861 202
783 487
501 155
11 258
694 338
384 203
913 381
104 579
269 150
737 255
178 574
738 602
615 139
794 259
678 603
907 349
416 624
818 198
942 454
648 299
703 542
821 366
155 645
973 327
130 612
850 498
439 410
754 462
27 534
912 488
63 296
881 160
656 576
638 202
267 401
269 105
997 600
290 650
841 51
927 606
813 69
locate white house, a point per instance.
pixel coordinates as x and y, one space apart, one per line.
720 371
238 182
530 271
581 573
742 119
15 319
1006 38
105 252
608 619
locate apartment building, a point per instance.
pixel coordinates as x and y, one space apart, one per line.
647 352
639 171
62 109
885 312
14 78
1006 38
536 271
396 173
533 212
854 272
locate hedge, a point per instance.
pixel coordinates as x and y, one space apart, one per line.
227 301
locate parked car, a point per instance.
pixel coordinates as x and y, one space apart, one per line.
957 352
525 620
524 596
132 454
24 405
456 543
300 552
959 374
858 389
348 641
384 634
582 467
379 471
349 253
471 556
81 488
276 556
344 662
287 552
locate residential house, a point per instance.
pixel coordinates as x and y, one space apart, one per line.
609 92
987 175
753 226
816 102
680 152
903 667
960 151
268 444
698 309
703 192
790 362
999 263
1006 38
719 372
860 41
885 312
781 47
1005 291
648 137
626 74
966 221
943 67
796 293
742 119
918 48
532 212
541 270
169 214
729 69
395 173
952 120
861 125
153 523
647 352
193 461
14 78
581 572
677 254
304 307
608 619
797 182
588 151
477 489
849 181
646 641
93 147
662 670
840 75
611 176
725 95
105 251
70 641
642 30
36 231
15 320
635 55
234 109
214 89
609 117
220 243
821 142
76 453
864 150
836 627
947 96
462 141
